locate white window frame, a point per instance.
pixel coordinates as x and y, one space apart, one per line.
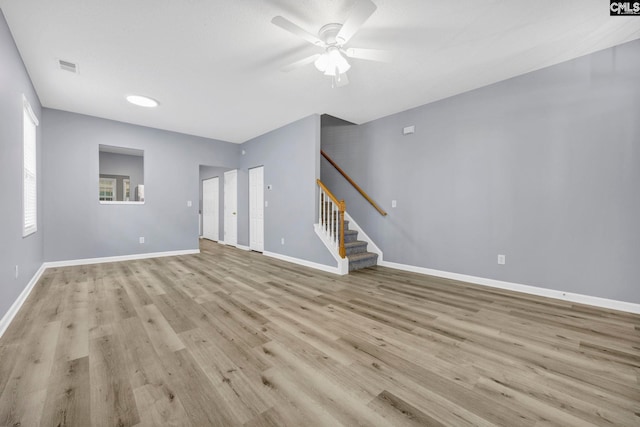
126 190
112 184
29 170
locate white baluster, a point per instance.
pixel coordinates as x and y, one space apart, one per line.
320 206
329 219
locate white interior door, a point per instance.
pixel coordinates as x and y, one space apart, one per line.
210 208
256 209
231 208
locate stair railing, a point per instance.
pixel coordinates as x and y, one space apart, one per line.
352 182
331 218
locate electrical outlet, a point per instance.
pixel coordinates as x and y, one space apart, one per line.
16 271
282 241
501 259
141 240
189 204
394 203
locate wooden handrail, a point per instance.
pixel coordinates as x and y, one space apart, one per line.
351 181
329 193
324 216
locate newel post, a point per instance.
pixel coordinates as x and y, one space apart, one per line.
343 207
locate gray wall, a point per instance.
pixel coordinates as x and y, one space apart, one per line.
207 172
291 159
544 168
80 227
26 253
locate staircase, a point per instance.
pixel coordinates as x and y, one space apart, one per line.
334 231
356 249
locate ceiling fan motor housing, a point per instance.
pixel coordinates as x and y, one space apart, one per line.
328 34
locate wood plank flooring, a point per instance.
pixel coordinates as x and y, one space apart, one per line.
229 337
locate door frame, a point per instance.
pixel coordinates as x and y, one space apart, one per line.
216 213
230 235
256 205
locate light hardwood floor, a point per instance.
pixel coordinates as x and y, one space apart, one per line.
229 337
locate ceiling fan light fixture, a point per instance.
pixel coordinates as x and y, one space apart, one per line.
322 62
334 63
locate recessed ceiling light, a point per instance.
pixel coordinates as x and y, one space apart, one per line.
142 101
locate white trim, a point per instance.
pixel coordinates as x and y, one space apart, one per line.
517 287
15 307
85 261
27 106
371 246
303 262
119 202
342 263
243 247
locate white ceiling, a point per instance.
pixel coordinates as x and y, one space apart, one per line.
214 65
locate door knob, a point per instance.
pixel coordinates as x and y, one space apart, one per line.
234 213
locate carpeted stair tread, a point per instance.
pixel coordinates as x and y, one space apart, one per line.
355 247
350 236
362 260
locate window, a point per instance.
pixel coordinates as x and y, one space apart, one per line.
30 184
126 189
107 189
121 175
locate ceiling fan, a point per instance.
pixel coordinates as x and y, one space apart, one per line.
332 38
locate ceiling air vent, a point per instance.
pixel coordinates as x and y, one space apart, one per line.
68 66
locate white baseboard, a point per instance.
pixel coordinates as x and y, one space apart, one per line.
243 247
303 262
15 307
84 261
533 290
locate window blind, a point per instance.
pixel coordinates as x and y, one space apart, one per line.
30 184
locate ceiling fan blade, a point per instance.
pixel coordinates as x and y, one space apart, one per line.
300 63
360 13
368 54
289 26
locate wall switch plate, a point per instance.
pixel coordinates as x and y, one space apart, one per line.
282 241
266 203
501 259
16 271
141 240
394 203
189 204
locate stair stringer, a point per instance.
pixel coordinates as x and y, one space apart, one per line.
343 263
372 247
